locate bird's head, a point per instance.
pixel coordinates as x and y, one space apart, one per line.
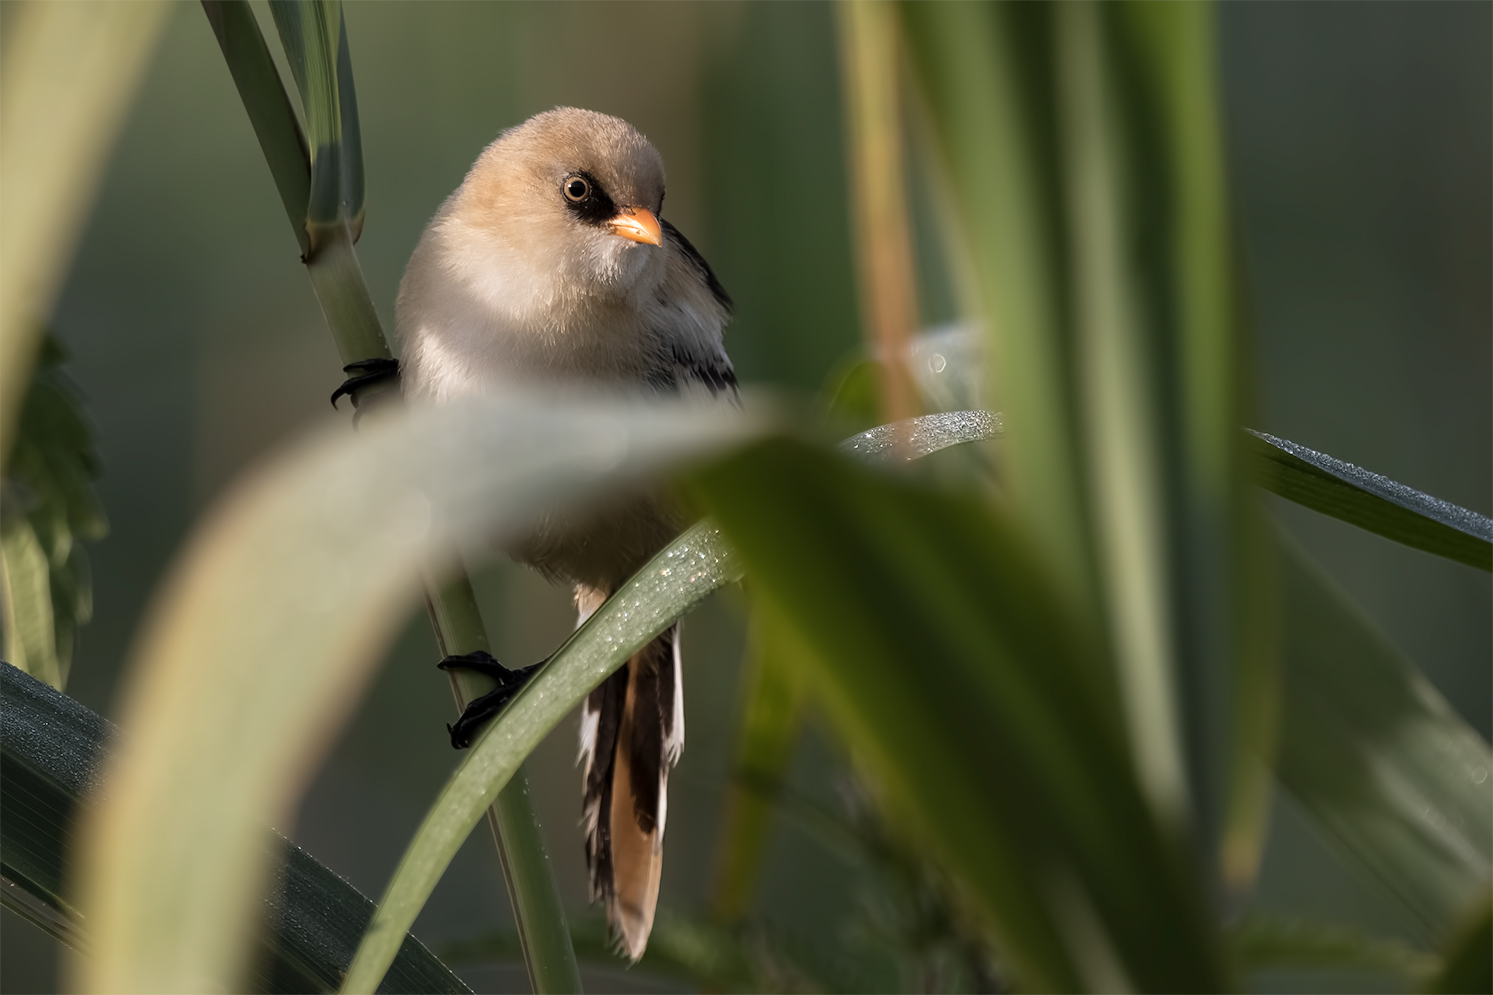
577 194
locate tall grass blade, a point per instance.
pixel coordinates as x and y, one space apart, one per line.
67 74
871 64
982 73
682 575
315 41
1385 768
1003 748
771 717
270 112
289 590
1385 507
1120 369
53 751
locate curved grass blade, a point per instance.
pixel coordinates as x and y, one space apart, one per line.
1314 480
53 750
269 625
690 569
1372 502
1386 769
984 71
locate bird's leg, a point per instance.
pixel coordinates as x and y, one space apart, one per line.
489 705
364 373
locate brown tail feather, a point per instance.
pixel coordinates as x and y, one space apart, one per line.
631 732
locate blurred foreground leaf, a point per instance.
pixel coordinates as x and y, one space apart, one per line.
772 711
268 626
982 704
322 190
67 73
50 507
53 751
1467 964
1383 765
1259 943
747 957
682 575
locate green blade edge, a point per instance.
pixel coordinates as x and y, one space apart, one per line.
1372 502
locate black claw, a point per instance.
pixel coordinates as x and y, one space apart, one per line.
489 705
363 373
481 662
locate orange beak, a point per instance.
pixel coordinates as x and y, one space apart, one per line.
638 224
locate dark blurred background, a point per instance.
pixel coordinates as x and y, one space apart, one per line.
1361 152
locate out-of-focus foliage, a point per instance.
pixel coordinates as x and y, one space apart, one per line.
1261 943
51 507
772 715
1468 956
1379 759
69 71
1105 559
53 752
928 616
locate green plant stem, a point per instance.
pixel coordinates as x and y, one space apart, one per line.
338 281
537 910
457 624
332 264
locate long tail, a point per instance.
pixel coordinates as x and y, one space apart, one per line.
632 729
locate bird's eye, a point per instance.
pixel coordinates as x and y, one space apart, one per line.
576 189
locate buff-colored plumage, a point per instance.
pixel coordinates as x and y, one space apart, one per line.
517 282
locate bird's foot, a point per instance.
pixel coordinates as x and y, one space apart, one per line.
364 373
489 705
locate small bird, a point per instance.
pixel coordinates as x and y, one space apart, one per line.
552 265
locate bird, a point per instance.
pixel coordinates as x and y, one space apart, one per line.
552 265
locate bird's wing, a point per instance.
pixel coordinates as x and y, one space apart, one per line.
676 238
688 318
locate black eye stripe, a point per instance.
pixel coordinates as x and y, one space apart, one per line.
593 207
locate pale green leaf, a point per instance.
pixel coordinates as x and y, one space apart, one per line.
268 627
691 568
67 73
1385 768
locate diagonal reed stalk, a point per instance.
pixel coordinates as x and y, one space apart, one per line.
321 188
869 60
